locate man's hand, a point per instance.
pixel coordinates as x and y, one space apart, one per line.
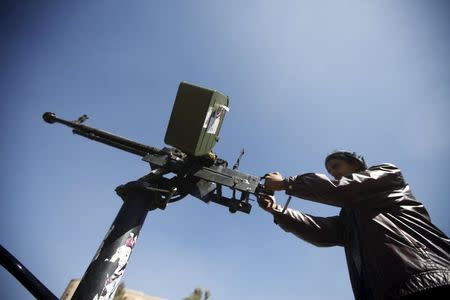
274 182
267 203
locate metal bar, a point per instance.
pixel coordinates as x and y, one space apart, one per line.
51 118
24 276
233 204
236 165
110 143
117 139
286 205
230 178
104 273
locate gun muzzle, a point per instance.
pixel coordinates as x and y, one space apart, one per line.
49 117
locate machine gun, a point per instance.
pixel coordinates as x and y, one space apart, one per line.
188 167
194 126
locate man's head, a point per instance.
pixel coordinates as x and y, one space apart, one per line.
342 163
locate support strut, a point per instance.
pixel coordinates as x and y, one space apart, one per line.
24 276
104 273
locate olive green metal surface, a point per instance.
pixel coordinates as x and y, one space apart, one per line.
196 119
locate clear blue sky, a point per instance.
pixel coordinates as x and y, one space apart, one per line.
303 77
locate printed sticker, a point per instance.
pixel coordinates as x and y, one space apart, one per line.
208 115
121 256
103 242
214 121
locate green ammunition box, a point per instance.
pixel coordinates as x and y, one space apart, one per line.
196 119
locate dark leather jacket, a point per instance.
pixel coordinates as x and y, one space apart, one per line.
392 248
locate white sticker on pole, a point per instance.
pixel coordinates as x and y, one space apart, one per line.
215 118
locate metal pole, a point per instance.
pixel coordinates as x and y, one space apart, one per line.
24 276
103 275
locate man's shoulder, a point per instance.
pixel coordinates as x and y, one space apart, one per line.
385 167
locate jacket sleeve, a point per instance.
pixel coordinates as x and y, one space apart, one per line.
321 232
374 187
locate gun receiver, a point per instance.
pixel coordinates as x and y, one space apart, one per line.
200 176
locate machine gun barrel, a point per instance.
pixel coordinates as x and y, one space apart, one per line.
102 136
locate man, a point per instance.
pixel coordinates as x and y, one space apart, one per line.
393 250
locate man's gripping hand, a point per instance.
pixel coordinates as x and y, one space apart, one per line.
274 182
268 203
